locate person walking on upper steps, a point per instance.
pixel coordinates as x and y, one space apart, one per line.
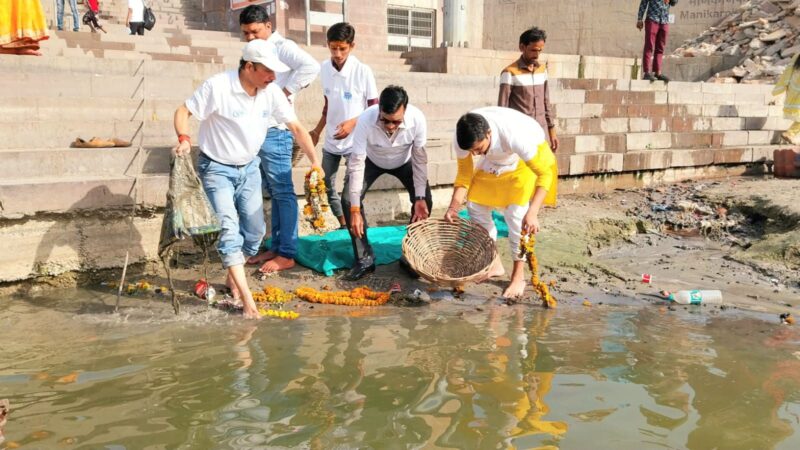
135 19
656 28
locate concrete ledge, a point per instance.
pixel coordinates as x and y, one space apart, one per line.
26 198
55 244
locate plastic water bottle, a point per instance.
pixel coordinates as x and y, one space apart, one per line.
696 297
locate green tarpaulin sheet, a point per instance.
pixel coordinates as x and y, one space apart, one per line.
333 251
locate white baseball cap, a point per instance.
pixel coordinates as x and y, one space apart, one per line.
263 52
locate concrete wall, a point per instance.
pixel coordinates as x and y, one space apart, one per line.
593 27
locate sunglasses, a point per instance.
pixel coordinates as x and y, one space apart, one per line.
396 123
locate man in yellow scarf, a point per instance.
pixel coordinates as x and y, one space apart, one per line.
517 174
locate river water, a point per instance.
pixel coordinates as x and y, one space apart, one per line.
456 374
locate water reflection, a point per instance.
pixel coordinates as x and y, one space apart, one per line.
504 377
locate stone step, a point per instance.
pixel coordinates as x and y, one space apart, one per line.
26 197
106 67
88 86
48 163
61 134
54 109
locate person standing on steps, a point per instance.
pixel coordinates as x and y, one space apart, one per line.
656 28
73 6
135 19
524 86
349 87
233 108
276 151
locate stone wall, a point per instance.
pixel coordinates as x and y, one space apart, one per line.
593 27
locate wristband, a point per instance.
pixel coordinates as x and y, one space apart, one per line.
184 137
355 209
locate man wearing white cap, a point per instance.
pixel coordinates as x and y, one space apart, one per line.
233 108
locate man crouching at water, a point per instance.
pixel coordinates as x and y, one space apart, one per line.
233 108
516 172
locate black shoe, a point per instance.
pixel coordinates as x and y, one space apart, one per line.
649 77
358 272
407 267
663 78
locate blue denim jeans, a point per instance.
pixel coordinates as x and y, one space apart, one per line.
235 195
276 165
73 5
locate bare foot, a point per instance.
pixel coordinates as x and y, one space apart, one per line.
251 313
515 289
234 290
261 258
277 264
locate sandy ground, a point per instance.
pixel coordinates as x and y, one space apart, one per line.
741 236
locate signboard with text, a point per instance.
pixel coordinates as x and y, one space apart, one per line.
239 4
705 11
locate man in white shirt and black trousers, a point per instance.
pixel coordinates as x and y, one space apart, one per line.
390 138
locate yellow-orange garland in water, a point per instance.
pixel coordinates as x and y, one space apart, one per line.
360 296
271 294
527 250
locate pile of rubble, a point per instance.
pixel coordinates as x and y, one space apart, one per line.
682 210
764 34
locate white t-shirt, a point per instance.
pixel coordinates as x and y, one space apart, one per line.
514 135
234 124
303 67
347 91
137 10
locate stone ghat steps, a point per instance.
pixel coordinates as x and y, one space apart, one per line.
185 45
29 193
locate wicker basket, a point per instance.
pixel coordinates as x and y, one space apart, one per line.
449 253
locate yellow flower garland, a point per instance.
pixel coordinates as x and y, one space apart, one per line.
360 296
271 294
316 199
526 249
286 315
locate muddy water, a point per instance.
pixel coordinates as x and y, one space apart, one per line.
457 374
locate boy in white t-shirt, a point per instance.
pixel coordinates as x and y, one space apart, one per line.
348 86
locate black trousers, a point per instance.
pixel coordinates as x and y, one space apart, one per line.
361 246
137 28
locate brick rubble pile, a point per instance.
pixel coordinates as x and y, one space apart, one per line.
765 34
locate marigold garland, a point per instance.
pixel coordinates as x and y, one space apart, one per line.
271 294
279 314
526 250
360 296
316 199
